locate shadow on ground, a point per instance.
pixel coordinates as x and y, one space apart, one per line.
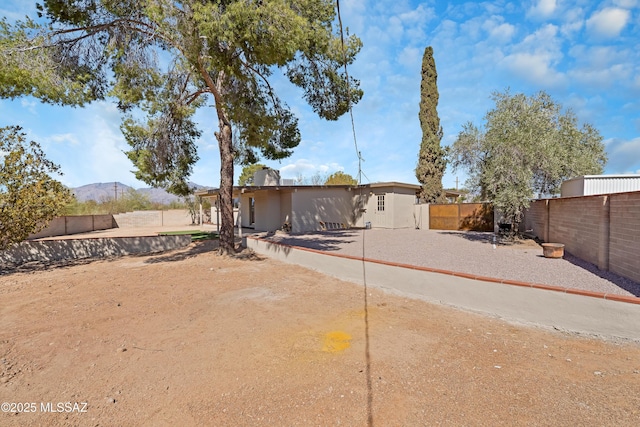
39 266
319 240
622 282
482 237
194 249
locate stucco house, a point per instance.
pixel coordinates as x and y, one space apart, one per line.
268 206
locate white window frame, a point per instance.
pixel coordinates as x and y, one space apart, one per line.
381 203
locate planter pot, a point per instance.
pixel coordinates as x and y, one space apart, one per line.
553 250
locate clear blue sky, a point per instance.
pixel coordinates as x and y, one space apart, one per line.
583 53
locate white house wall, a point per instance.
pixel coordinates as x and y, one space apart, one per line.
403 208
267 210
285 207
398 207
310 206
245 208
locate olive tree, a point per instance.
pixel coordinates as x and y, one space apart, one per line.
29 196
528 146
164 59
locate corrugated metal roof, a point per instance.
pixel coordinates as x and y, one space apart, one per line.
589 185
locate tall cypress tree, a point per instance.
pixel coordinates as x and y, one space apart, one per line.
432 158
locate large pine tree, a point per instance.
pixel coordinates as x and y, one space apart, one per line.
162 60
432 160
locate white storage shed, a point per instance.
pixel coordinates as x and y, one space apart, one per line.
589 185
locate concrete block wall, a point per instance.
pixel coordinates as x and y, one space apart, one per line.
578 222
56 227
173 217
103 222
79 224
624 235
603 230
138 219
537 218
75 224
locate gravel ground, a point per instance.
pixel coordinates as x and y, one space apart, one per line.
466 252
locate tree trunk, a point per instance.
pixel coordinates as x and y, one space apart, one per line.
227 239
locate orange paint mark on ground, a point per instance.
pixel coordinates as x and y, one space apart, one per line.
336 341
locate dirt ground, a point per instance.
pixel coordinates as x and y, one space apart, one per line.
191 338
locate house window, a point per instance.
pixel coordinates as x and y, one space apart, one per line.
380 203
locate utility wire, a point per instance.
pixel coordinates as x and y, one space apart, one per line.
346 72
360 212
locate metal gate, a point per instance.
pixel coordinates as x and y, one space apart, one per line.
461 216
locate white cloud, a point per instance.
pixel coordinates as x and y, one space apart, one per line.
533 67
472 28
608 22
601 78
627 4
306 168
596 56
411 57
62 138
29 104
503 32
545 38
573 21
419 15
394 29
535 58
543 8
624 155
106 160
415 22
353 15
600 67
498 30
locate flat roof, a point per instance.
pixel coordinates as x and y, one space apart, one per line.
215 191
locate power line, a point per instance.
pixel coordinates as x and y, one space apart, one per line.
361 212
346 72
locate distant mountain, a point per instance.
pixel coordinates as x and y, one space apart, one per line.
103 191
